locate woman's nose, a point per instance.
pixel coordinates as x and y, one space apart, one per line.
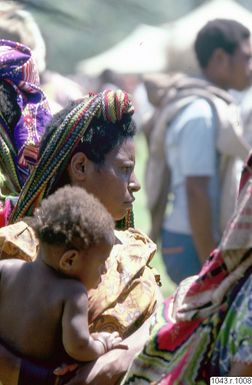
134 184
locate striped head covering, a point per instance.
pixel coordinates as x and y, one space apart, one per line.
19 144
109 106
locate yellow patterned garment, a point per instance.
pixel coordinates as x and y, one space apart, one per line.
18 241
127 294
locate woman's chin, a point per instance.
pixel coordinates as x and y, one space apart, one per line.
120 216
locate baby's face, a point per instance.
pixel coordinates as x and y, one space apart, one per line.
92 264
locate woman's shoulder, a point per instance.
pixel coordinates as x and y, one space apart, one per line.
133 234
134 241
18 241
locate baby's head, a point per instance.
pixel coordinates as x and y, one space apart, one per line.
76 234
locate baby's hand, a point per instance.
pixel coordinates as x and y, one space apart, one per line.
110 340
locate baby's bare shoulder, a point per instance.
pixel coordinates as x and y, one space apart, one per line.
73 287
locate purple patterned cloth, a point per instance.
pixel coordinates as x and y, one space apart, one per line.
18 69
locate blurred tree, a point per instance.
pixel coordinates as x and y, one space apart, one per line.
77 29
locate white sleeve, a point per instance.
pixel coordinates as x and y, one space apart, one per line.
198 140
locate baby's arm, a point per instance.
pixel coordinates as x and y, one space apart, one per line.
77 340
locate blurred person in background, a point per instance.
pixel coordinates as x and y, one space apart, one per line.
110 80
195 134
19 25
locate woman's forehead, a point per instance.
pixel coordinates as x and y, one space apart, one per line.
123 151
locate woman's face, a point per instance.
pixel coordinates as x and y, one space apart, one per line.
114 183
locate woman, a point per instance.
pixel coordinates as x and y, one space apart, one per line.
24 112
91 145
204 329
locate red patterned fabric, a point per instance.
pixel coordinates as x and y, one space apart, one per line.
186 326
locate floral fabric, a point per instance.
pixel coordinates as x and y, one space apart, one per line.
234 341
20 143
127 295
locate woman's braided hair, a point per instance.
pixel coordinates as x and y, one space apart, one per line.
112 107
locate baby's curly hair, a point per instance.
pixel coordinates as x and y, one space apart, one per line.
72 217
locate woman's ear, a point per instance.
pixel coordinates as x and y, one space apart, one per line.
78 167
68 260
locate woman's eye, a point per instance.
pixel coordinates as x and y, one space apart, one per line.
127 169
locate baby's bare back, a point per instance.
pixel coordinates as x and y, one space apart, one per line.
32 298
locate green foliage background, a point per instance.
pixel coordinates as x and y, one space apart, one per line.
142 219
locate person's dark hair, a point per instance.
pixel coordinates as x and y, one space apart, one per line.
219 33
72 217
9 107
103 136
100 138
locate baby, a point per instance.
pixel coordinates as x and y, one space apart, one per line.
44 304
